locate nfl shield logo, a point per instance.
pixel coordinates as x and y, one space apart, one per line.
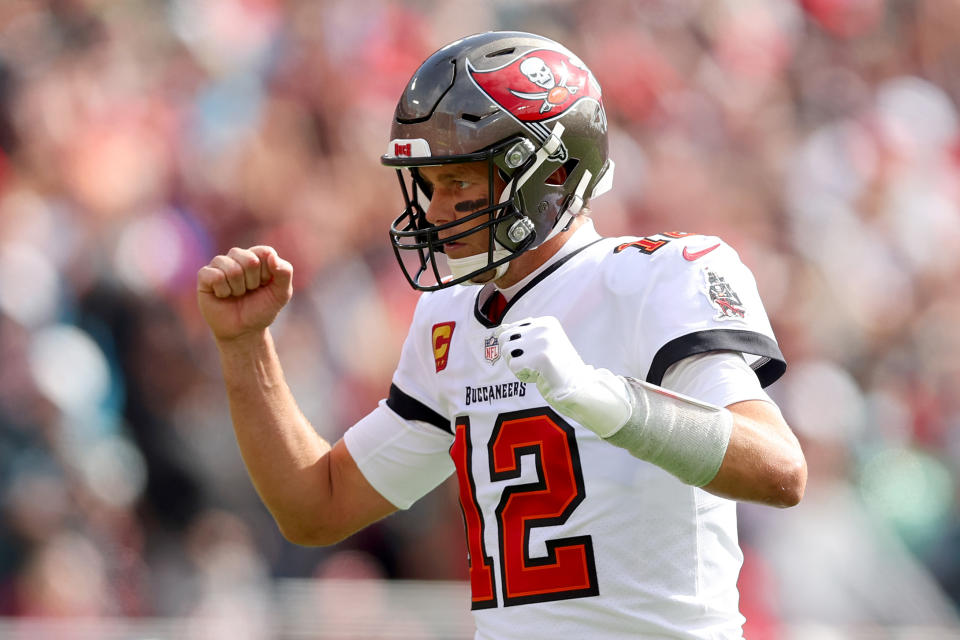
491 349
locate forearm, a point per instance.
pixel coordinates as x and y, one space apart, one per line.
763 462
284 455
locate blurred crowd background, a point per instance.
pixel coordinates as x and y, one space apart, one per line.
138 138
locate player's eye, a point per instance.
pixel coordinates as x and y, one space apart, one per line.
463 184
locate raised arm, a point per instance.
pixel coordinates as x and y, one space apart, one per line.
315 492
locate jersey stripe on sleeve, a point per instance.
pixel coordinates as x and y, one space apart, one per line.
409 408
768 368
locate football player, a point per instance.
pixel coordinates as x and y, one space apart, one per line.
600 400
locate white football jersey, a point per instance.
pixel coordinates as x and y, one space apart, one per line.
568 535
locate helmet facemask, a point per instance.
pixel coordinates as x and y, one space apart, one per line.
510 232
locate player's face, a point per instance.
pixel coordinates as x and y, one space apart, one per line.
458 191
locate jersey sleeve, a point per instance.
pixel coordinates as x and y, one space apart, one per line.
702 298
403 460
720 378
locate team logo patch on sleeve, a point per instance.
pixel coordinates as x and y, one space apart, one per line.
723 297
442 333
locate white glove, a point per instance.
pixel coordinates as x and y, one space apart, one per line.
538 350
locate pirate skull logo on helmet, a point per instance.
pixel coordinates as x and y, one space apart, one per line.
538 72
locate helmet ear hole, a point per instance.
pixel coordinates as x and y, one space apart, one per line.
563 172
558 177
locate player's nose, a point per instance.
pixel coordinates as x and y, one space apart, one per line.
440 211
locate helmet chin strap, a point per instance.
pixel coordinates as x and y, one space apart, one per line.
462 266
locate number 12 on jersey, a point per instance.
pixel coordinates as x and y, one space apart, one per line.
568 570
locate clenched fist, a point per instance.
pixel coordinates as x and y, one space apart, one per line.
242 292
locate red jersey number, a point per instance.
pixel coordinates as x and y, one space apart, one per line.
568 570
